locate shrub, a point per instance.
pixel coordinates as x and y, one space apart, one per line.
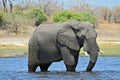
2 20
39 15
16 23
71 15
86 16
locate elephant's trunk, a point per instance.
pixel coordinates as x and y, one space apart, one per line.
93 51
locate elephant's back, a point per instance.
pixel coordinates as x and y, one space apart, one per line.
46 31
49 27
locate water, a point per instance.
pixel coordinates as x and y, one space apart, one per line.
107 68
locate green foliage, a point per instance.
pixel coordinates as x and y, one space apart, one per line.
15 22
2 19
72 15
63 16
39 15
86 16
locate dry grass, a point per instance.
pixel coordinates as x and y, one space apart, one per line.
108 31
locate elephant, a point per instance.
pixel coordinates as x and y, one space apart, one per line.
53 42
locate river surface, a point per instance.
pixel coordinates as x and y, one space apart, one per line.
107 68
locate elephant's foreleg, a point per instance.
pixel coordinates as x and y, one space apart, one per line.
70 68
70 58
44 67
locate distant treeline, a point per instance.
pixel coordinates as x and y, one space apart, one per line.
16 14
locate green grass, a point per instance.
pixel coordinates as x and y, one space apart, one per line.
11 49
109 49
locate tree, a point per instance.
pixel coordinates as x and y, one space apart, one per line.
116 14
5 5
102 13
23 4
49 6
11 5
66 15
79 5
105 11
39 15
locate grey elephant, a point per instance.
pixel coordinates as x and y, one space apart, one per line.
52 42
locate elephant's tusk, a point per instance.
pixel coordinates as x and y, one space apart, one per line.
101 52
86 53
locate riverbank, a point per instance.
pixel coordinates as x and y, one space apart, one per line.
108 40
21 50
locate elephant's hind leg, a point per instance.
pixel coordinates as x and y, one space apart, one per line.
45 66
32 68
33 50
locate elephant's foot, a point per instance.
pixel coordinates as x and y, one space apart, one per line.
70 68
32 68
45 66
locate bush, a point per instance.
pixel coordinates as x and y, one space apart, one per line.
39 15
86 16
2 20
71 15
16 23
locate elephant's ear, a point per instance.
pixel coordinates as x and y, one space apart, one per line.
66 36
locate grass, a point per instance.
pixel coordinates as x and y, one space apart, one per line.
11 49
109 49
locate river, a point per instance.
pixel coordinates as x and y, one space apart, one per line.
107 68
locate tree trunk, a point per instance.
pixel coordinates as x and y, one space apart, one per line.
5 5
11 6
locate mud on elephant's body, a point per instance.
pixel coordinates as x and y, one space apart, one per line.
52 42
